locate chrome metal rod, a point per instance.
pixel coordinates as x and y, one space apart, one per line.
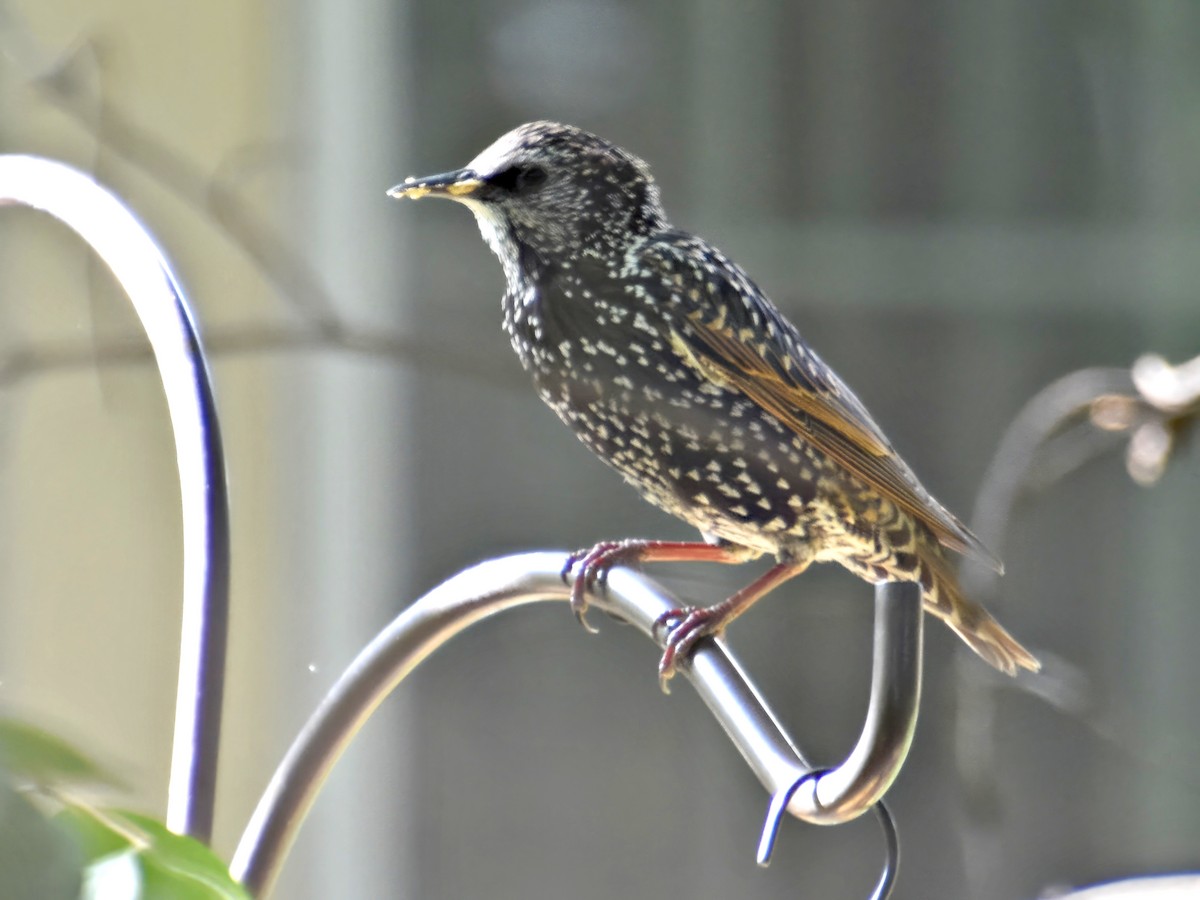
835 795
128 249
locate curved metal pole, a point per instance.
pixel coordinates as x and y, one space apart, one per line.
1040 417
130 252
825 797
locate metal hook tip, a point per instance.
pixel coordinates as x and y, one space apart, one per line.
775 811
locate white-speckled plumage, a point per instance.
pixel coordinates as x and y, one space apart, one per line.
672 366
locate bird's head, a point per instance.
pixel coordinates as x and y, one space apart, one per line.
547 194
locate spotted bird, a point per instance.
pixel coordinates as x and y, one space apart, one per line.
674 368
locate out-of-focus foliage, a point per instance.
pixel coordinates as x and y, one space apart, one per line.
54 844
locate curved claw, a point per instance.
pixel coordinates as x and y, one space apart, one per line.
574 559
565 574
666 671
590 567
683 628
579 604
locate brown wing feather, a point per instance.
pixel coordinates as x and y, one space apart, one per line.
825 419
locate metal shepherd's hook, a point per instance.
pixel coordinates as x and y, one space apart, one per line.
824 796
128 249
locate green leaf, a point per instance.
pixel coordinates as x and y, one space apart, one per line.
37 858
134 857
30 754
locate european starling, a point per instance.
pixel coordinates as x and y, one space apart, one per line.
672 366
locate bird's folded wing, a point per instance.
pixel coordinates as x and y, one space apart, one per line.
822 412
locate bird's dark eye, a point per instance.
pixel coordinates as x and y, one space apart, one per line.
531 178
519 179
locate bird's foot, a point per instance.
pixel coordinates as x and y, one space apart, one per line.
589 567
680 630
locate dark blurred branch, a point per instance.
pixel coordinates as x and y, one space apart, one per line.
1071 422
1061 428
22 362
1064 426
1047 414
64 81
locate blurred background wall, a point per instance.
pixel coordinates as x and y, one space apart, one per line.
956 202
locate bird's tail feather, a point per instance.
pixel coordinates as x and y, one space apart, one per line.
970 621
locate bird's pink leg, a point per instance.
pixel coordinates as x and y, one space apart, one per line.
684 627
592 565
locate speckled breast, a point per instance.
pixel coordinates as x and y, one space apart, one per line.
699 451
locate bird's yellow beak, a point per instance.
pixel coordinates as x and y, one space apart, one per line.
455 185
